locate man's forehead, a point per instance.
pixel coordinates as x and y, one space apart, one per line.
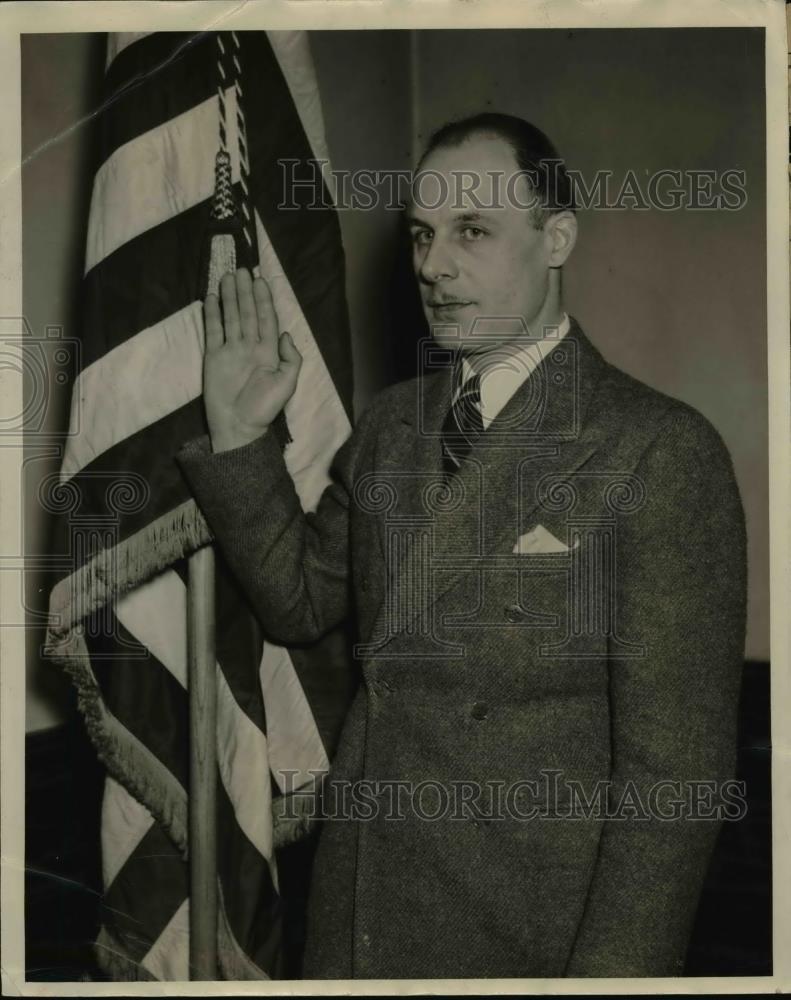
431 214
474 176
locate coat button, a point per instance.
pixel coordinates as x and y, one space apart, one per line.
479 710
513 613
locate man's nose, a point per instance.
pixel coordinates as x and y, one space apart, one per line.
438 262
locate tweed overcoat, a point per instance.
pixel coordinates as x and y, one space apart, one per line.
607 659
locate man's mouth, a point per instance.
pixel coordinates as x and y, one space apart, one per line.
447 305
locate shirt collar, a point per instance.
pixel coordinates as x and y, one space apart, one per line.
500 383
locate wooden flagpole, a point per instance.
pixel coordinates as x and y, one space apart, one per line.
202 669
202 681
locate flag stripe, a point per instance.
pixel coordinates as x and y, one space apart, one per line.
142 168
242 863
120 41
168 958
136 384
155 861
292 51
119 393
293 738
239 642
127 681
160 368
150 451
143 282
159 77
160 295
156 612
135 58
313 264
252 902
329 684
317 415
165 74
130 822
252 905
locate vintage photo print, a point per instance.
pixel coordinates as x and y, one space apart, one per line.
395 498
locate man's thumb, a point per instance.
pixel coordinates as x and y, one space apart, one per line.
288 350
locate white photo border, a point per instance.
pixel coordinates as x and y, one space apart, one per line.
17 18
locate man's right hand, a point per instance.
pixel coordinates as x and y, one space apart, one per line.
250 370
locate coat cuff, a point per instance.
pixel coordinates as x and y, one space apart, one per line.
237 475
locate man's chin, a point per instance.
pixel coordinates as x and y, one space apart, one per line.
478 334
451 336
464 340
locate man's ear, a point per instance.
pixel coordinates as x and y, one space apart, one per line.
561 229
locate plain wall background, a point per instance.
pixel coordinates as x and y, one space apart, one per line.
677 299
60 80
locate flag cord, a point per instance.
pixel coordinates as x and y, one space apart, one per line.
229 76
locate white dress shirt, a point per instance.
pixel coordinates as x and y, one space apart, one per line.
501 381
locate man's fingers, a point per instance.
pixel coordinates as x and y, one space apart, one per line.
212 323
230 308
267 319
248 318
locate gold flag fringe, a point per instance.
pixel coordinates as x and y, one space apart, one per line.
115 571
293 817
105 578
108 576
128 760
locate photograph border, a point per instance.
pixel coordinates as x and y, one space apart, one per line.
66 16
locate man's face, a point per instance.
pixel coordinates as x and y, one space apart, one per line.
476 255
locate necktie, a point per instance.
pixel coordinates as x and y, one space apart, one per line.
462 425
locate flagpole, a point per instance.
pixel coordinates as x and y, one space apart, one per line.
203 765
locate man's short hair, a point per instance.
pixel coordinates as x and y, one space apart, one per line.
534 152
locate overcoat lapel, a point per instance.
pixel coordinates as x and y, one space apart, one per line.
545 429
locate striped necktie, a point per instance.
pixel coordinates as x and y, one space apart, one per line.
462 426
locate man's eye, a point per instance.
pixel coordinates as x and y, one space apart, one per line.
421 237
473 232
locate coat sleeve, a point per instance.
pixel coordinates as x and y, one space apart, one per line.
293 566
681 592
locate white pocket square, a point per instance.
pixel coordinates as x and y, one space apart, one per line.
539 541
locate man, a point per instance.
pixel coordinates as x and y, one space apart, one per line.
546 563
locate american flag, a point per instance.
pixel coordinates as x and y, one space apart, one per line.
118 620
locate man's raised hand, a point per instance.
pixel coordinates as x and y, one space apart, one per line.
250 370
